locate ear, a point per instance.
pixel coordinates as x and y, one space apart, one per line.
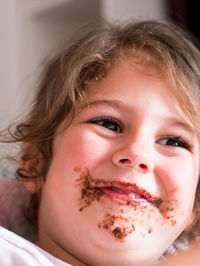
32 166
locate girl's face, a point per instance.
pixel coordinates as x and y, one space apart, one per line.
121 185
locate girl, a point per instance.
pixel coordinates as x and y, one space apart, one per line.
111 149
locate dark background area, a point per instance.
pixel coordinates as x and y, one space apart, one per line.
186 14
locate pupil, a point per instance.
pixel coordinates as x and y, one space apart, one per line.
111 126
172 143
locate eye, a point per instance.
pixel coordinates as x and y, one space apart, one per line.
174 142
109 123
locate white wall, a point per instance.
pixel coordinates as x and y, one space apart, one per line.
123 10
10 67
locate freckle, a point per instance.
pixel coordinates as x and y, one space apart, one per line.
121 210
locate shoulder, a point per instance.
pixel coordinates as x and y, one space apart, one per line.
15 250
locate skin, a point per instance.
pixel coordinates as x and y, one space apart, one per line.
141 148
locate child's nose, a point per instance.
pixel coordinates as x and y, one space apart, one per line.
137 159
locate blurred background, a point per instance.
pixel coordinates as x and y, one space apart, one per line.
33 29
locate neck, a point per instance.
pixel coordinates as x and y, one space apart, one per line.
60 253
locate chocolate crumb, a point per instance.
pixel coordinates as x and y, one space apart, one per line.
118 233
173 222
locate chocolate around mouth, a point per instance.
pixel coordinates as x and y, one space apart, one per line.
121 192
128 192
93 189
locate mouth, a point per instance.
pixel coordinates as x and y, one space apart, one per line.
128 193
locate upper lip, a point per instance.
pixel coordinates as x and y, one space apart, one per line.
127 188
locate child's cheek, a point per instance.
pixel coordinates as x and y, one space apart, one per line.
82 149
176 175
179 184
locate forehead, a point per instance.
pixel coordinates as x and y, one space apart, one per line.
128 73
134 61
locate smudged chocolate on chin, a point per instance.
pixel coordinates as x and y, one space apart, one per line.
119 226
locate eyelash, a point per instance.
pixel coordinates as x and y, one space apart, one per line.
178 141
118 128
105 121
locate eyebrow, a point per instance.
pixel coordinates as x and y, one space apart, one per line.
114 104
180 124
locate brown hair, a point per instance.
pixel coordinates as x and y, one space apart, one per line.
65 80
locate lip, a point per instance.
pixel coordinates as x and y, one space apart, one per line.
127 193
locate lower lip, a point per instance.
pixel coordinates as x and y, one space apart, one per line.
123 198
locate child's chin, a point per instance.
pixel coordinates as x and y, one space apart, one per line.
125 254
138 247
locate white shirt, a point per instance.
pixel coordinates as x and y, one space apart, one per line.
16 251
